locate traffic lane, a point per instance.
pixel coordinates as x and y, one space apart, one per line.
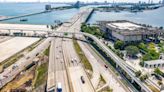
51 69
78 86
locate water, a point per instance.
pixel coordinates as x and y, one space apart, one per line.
152 17
15 9
46 18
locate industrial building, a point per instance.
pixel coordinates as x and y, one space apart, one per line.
129 32
154 64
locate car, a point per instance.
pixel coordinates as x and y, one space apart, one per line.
158 77
5 76
27 57
72 60
82 79
105 66
75 59
37 54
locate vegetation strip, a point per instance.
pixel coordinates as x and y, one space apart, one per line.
82 57
41 71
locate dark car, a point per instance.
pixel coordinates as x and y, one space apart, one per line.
157 76
82 79
105 66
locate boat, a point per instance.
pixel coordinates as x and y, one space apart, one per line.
23 19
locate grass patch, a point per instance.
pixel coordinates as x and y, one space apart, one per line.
109 90
41 74
46 52
34 45
12 60
82 57
102 79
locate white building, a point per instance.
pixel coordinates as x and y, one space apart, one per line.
128 31
154 64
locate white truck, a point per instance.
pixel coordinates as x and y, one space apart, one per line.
59 87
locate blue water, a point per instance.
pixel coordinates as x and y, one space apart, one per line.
47 18
152 17
15 9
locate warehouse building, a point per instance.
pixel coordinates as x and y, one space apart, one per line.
154 64
129 32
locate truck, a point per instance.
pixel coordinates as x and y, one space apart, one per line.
59 87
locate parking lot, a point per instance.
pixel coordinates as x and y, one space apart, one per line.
14 45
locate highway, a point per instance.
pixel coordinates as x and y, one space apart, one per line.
68 65
57 69
10 73
60 64
62 61
97 68
75 68
51 69
117 59
111 80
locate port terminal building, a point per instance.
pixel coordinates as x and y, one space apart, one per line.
129 31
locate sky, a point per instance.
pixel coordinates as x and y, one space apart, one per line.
76 0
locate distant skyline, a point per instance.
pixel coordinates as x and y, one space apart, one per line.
76 0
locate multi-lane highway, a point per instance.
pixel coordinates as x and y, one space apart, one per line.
67 64
110 79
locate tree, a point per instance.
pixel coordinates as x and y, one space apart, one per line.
132 50
119 45
138 73
160 83
143 77
142 46
151 46
158 71
151 55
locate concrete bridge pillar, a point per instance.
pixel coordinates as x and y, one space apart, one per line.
132 81
34 33
9 32
22 32
142 90
117 66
